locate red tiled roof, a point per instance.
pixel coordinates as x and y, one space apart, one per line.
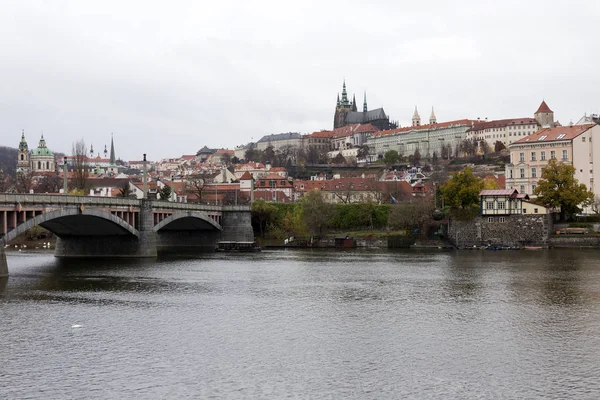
544 108
428 126
246 176
501 123
366 128
321 134
554 134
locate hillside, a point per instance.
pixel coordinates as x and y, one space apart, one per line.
8 160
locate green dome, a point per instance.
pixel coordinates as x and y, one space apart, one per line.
42 150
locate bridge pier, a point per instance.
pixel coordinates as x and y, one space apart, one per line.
3 263
237 225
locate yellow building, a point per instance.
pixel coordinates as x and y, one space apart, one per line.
568 144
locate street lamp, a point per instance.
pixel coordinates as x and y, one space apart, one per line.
144 195
65 191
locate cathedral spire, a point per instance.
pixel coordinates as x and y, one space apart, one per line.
365 102
432 119
92 150
112 150
416 119
23 143
338 99
344 94
354 102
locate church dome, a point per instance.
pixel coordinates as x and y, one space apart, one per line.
42 150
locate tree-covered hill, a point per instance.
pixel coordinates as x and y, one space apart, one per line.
8 160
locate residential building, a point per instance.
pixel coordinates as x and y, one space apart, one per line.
510 130
567 144
280 141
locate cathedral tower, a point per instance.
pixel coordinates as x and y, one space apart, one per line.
416 119
23 154
342 108
432 119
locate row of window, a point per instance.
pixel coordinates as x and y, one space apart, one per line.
565 155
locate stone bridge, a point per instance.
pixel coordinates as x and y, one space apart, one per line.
88 226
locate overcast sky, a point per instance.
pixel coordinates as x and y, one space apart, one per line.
170 77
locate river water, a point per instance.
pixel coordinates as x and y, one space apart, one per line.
360 324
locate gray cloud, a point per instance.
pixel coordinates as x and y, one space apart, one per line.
168 79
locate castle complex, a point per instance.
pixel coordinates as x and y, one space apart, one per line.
346 113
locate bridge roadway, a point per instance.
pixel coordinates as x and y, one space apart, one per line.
91 226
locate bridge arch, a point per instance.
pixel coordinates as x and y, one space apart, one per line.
190 220
68 221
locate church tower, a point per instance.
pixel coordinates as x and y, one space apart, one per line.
432 119
544 116
112 150
342 108
365 109
23 154
416 119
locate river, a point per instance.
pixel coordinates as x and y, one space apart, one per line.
358 324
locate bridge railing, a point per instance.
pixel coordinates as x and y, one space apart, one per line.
58 199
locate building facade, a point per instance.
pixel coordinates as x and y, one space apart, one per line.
567 144
439 138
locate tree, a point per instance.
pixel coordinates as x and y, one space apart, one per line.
410 216
316 212
24 182
596 204
49 183
558 187
263 214
390 157
165 192
417 157
196 184
363 153
434 158
81 169
461 191
125 191
499 146
339 159
252 155
468 147
490 184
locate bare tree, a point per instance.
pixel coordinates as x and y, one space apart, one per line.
81 168
24 182
196 184
50 183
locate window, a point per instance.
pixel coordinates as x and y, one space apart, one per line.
522 171
565 155
533 186
552 154
533 156
510 173
562 135
22 156
542 138
524 211
501 205
490 219
39 165
501 219
522 189
543 156
489 205
583 139
521 157
535 211
533 173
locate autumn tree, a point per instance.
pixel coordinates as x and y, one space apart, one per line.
499 146
409 216
558 187
49 183
461 191
339 159
263 214
490 184
316 212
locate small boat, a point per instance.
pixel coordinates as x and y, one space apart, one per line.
241 247
532 247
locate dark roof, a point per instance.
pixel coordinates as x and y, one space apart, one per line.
355 117
281 136
501 123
